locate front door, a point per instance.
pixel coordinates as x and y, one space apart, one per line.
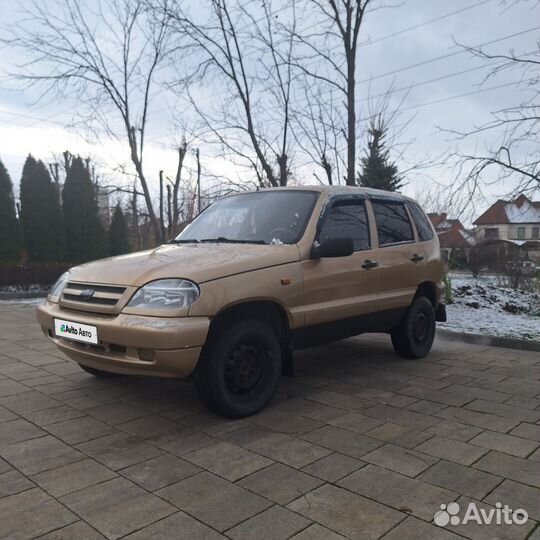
341 287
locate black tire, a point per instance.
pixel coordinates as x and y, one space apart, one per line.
240 369
414 336
98 372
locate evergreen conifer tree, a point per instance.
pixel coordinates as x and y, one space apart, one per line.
41 214
378 171
118 233
85 237
10 238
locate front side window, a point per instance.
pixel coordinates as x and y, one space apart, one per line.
264 217
521 233
423 226
347 219
491 233
393 225
536 232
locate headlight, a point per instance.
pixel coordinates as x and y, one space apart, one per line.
58 287
165 294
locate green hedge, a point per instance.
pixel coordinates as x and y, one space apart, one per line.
30 274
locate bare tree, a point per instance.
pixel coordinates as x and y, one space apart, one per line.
436 197
241 55
317 130
515 152
105 55
338 30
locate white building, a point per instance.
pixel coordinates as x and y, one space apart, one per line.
517 221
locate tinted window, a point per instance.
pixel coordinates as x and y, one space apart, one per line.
347 219
393 224
423 226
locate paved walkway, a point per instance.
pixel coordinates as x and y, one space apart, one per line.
360 445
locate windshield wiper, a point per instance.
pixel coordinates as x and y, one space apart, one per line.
222 239
182 241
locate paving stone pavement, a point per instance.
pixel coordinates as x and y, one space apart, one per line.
361 444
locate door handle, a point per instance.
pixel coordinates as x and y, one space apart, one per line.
416 258
368 265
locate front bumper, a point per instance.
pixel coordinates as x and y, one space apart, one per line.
131 344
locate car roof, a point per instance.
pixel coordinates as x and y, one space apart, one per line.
343 190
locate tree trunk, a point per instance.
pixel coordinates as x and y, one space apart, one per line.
197 153
137 244
161 214
156 229
170 230
351 121
182 151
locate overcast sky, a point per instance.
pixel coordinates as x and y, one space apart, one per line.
39 126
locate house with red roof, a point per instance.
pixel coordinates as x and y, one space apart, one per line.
514 222
517 221
453 237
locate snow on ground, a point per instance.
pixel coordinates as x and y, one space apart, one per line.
482 306
36 301
19 303
25 289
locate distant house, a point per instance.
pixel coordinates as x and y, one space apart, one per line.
516 222
454 239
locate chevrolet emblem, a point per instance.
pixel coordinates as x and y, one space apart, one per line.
87 294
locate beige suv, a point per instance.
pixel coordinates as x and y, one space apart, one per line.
252 278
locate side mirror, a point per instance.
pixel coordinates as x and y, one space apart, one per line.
333 247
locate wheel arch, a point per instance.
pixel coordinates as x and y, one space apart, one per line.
267 311
429 290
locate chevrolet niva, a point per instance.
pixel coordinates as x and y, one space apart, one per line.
254 277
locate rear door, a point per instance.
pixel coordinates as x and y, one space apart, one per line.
342 287
398 254
428 245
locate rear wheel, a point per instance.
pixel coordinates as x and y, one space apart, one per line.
240 369
98 372
414 336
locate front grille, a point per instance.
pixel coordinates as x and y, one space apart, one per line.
98 288
92 300
93 297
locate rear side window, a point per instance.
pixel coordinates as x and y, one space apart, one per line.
393 225
423 226
347 219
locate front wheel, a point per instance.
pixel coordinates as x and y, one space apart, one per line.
239 372
414 336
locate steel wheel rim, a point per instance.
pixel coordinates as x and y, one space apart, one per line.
420 327
245 366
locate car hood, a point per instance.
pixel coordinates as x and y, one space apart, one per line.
196 262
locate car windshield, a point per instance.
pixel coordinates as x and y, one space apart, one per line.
264 217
